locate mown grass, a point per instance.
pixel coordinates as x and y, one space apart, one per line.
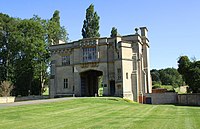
96 113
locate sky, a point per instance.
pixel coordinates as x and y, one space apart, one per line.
173 25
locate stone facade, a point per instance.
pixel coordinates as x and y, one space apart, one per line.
119 64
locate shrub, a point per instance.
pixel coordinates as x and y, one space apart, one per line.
5 88
156 87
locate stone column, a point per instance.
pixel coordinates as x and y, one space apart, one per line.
146 63
134 78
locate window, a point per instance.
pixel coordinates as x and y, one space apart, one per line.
65 60
119 74
65 83
89 54
126 75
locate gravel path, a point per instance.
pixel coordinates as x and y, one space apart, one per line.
4 105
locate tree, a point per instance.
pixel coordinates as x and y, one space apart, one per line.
24 51
8 46
190 72
113 32
41 66
32 53
168 76
155 75
55 31
56 17
91 23
183 64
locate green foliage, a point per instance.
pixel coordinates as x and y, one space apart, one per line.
99 113
183 64
168 87
156 83
8 46
31 56
91 23
155 75
24 51
100 91
55 31
45 91
5 88
56 17
168 76
190 72
156 86
113 32
100 86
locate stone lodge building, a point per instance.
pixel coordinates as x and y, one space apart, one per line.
119 64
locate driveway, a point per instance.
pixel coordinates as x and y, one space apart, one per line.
4 105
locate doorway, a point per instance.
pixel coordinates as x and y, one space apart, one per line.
90 82
112 88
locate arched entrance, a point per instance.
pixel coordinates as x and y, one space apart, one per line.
90 82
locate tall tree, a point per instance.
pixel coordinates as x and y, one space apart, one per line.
190 72
183 65
113 32
8 46
91 23
56 17
31 55
55 31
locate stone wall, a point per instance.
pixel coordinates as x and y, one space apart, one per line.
162 98
32 97
189 99
7 99
172 98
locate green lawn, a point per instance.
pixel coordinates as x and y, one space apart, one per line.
99 113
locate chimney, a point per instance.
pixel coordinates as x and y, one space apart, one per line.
144 31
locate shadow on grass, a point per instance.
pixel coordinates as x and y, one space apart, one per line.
183 105
186 105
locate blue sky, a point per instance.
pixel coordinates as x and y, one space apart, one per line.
174 25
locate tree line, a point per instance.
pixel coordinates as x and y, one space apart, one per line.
167 76
188 73
24 53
